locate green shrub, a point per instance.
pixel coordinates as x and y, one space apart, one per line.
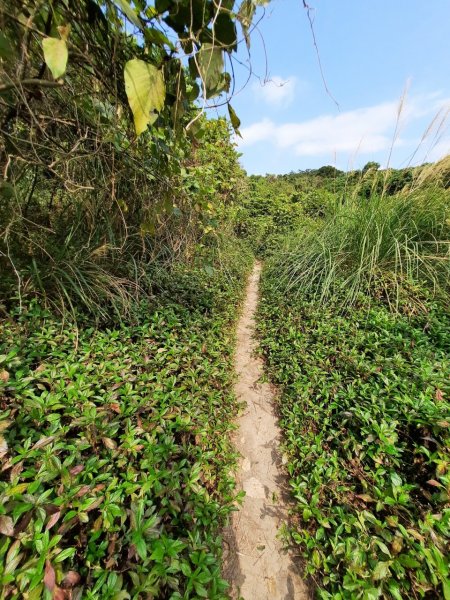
365 405
116 462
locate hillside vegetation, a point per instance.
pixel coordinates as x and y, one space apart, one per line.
127 231
354 325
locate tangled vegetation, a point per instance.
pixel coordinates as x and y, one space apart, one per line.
103 166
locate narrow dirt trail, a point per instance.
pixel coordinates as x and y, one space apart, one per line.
256 565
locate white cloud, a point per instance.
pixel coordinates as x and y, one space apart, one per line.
276 91
360 131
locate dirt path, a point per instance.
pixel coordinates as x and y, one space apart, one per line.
255 564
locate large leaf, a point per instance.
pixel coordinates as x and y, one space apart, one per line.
130 13
55 56
146 92
210 67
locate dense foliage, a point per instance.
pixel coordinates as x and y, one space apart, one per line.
101 149
383 243
115 455
354 325
365 409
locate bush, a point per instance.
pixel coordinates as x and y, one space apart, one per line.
364 405
116 462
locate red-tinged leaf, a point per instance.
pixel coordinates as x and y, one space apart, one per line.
71 579
84 489
6 526
116 386
60 594
64 528
439 395
53 520
4 376
76 470
434 483
49 576
43 442
115 407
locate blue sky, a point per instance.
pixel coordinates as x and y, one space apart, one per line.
370 51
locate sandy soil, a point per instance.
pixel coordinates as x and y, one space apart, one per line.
256 565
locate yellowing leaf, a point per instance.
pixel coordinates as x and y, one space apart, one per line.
3 445
6 526
55 56
146 92
109 443
235 120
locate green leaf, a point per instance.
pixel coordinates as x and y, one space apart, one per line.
141 548
408 561
55 56
6 50
67 553
245 17
446 589
225 32
146 92
381 571
235 120
210 67
155 36
201 590
130 13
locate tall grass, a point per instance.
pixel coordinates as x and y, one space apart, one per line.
381 242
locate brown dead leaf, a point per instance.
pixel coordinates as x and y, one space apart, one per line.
60 594
365 497
76 470
84 489
71 579
4 376
6 526
434 483
45 441
3 445
49 576
439 395
109 443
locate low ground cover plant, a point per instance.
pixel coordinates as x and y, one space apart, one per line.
365 408
116 464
